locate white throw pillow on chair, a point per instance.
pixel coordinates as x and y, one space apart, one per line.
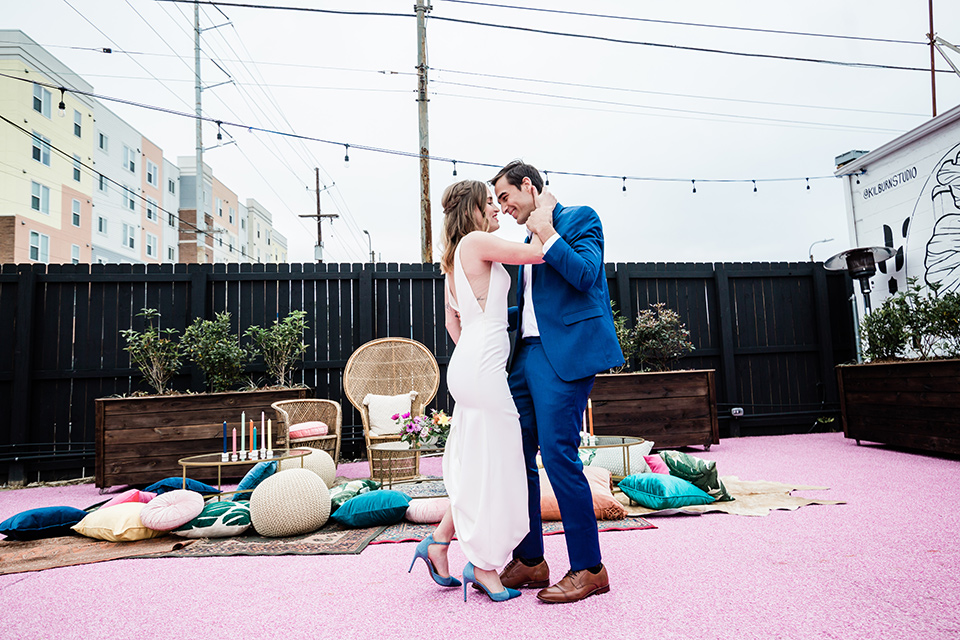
383 408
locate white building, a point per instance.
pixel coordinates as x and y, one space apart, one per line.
906 195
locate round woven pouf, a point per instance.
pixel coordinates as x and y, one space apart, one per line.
318 461
289 503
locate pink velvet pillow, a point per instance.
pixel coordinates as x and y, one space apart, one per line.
133 495
428 510
172 509
657 465
308 429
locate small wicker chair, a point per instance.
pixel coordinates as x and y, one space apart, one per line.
391 366
296 411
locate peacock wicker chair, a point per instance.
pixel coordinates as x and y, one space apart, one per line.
389 367
292 412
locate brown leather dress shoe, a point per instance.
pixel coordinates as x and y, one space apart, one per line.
517 575
576 585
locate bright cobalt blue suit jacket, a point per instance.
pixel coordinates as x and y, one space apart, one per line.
571 299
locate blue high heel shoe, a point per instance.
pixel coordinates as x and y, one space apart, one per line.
469 576
421 552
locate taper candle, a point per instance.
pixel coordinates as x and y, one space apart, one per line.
269 434
224 436
263 433
590 414
243 436
253 440
234 441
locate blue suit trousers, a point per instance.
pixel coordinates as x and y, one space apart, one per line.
551 413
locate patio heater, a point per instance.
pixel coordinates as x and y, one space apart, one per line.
861 264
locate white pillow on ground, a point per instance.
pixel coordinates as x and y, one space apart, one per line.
318 461
383 408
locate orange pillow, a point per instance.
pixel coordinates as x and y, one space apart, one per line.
605 506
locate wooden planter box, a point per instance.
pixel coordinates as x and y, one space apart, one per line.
912 404
674 408
140 440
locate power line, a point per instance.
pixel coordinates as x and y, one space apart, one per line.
685 24
395 152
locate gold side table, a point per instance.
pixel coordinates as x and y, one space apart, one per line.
392 462
215 460
617 463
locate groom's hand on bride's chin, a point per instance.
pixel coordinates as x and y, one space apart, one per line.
540 221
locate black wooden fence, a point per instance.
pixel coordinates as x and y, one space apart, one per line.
772 331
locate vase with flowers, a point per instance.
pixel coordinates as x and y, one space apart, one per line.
419 431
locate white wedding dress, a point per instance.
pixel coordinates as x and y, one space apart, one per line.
483 465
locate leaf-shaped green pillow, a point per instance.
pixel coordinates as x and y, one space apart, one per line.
218 520
697 471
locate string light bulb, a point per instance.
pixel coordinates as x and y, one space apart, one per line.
454 168
624 190
694 185
219 134
547 174
346 157
754 185
62 107
808 184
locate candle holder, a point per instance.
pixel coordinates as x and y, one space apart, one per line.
263 454
269 453
224 457
234 457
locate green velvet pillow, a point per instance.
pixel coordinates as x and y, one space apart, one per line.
218 520
343 492
658 491
701 473
373 508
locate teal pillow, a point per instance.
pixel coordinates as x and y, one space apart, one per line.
260 472
701 473
343 492
373 508
46 522
659 491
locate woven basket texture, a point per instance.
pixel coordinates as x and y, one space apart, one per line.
290 503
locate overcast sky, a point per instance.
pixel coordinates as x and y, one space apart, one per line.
564 104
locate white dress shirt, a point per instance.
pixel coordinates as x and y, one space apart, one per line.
528 323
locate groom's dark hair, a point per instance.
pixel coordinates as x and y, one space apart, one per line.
516 171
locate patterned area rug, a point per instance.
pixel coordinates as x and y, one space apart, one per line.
429 487
410 532
331 539
67 551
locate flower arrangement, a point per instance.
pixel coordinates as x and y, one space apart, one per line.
417 430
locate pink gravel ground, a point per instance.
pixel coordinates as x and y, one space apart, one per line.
884 565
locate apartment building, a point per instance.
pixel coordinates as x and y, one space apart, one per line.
46 141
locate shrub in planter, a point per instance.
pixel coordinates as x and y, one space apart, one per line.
913 325
281 345
656 342
156 353
217 351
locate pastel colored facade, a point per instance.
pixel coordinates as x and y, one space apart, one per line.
170 211
45 189
279 244
259 231
196 241
226 224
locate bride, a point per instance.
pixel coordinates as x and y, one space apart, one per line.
483 464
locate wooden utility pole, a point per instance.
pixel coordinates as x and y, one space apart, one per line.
933 71
426 230
318 253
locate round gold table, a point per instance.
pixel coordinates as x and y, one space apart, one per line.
215 460
397 461
606 455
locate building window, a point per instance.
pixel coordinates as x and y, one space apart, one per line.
129 159
102 182
101 225
39 247
258 229
77 123
243 224
103 142
75 210
75 254
231 215
76 168
41 148
268 238
172 220
151 245
129 237
171 256
151 209
40 198
41 100
219 207
153 176
128 199
171 186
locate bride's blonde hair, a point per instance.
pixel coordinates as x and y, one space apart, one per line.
461 200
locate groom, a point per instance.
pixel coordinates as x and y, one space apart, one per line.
566 336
